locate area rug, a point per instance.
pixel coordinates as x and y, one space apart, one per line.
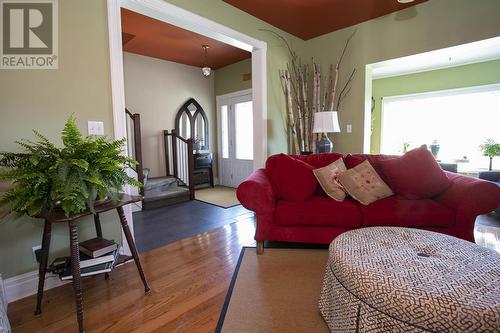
221 196
275 292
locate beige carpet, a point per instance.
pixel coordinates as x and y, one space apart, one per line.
276 292
219 195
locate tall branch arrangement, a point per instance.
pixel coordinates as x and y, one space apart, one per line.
307 91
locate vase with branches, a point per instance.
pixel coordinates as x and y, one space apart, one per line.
307 91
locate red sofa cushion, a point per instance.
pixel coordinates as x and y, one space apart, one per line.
415 175
291 178
318 211
394 211
319 160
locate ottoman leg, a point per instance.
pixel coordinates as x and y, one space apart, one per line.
260 247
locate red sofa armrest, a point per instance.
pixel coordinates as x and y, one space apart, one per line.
469 197
256 193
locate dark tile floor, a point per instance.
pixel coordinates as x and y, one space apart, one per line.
161 226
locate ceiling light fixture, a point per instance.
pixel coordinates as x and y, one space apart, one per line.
405 1
206 70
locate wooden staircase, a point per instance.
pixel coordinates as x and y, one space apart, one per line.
178 184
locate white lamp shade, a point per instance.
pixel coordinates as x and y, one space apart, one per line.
326 122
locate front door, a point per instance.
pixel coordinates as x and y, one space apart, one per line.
236 139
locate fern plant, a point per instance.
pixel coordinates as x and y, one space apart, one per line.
72 178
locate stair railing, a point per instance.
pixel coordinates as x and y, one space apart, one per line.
179 159
136 152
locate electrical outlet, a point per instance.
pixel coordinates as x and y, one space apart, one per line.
95 127
36 251
349 128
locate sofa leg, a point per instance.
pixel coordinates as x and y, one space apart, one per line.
260 247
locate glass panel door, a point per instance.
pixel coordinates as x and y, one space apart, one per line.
236 139
224 131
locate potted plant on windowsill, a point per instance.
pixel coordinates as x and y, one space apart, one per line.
86 171
491 149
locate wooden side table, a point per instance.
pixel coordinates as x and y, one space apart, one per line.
59 217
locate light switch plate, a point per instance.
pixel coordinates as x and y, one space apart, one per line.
349 128
96 128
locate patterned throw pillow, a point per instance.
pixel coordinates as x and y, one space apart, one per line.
328 179
364 184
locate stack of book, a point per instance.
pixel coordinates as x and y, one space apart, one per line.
97 255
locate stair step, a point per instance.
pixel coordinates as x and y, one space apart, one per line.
158 198
162 191
164 183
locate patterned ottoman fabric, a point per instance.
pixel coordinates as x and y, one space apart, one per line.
387 279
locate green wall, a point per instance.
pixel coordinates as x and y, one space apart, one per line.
43 99
448 78
229 79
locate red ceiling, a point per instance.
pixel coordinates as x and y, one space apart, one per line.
311 18
147 36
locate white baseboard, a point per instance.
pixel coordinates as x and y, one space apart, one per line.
26 284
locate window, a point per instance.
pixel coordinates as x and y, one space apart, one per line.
459 120
244 130
225 132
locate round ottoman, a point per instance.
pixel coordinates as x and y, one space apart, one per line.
387 279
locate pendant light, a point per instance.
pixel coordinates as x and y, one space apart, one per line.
206 70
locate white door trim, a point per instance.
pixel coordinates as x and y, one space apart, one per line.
171 14
118 97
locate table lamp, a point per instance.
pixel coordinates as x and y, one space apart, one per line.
325 122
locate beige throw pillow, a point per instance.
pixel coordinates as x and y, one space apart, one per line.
328 179
364 184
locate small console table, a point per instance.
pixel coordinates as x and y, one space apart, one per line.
60 217
203 173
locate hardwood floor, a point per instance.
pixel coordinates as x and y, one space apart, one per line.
189 281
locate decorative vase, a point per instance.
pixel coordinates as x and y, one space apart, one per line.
325 145
434 148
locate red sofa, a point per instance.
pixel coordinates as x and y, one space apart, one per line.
320 219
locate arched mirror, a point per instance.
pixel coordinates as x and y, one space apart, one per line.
191 123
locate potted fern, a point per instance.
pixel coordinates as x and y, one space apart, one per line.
74 178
